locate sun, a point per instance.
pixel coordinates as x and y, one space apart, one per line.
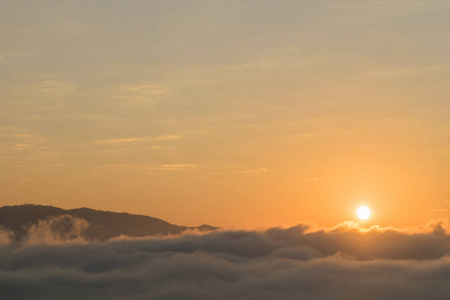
363 212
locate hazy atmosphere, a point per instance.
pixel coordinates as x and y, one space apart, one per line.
231 113
224 149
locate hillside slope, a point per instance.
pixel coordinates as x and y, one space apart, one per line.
22 220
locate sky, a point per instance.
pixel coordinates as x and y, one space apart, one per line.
229 113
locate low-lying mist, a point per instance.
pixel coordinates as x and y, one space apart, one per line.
301 262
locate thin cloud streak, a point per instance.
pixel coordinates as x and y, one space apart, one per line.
169 137
316 178
140 93
176 166
125 140
257 170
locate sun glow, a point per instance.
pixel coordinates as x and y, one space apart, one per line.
363 212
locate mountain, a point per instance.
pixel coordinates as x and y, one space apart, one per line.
23 221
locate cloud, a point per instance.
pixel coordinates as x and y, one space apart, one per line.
59 229
176 166
54 88
21 135
315 178
134 94
22 146
258 170
263 65
18 134
147 89
169 137
124 140
51 230
278 263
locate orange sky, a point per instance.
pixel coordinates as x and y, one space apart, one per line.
231 113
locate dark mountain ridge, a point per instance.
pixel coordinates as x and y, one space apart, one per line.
93 225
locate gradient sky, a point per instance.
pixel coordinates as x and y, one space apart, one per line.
231 113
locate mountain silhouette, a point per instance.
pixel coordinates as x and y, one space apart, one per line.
21 221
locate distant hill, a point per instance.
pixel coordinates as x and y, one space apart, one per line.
94 225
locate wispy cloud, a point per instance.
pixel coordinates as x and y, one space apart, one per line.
263 65
54 88
123 140
18 134
176 166
169 137
22 146
135 139
21 135
315 178
258 170
145 89
28 137
133 94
